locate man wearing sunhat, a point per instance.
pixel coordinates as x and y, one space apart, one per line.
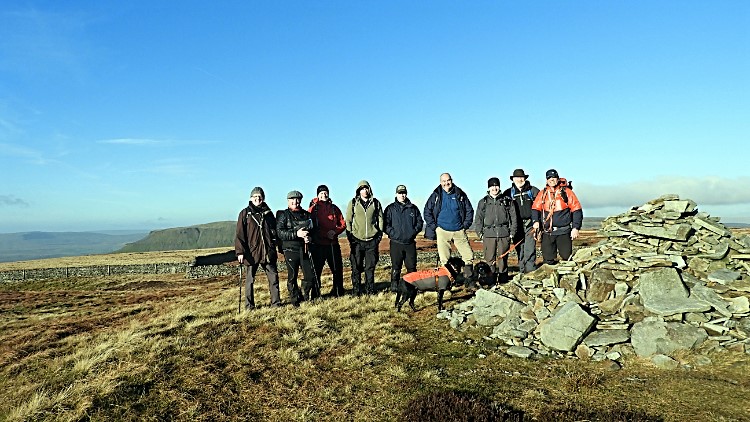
523 194
329 223
254 245
295 229
558 216
496 223
403 222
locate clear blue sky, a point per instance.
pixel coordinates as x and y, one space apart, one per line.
154 114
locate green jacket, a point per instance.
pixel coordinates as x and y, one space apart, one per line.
364 221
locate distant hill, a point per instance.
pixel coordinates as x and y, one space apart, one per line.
39 245
210 235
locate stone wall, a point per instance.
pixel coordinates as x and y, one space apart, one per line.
203 271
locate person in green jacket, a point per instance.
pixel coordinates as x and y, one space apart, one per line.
364 229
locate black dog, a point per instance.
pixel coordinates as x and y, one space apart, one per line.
438 280
483 274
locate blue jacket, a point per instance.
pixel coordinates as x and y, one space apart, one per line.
432 209
403 222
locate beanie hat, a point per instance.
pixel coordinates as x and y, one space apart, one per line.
552 173
400 189
258 191
494 181
322 188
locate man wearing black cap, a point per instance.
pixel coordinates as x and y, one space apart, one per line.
254 245
495 223
558 216
523 194
329 223
295 229
403 222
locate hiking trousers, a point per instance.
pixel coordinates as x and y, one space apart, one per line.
332 255
363 258
552 244
401 255
526 251
296 259
493 248
460 239
272 273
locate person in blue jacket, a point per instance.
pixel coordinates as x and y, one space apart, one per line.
403 222
447 215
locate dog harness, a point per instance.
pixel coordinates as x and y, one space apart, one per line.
433 279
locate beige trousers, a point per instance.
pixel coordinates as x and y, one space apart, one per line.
460 239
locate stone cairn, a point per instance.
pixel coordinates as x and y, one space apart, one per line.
668 280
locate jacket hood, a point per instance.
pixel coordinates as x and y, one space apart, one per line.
362 184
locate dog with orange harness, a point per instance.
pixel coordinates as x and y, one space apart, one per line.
439 280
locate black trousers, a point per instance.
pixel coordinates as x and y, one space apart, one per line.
296 259
363 259
330 254
552 244
402 255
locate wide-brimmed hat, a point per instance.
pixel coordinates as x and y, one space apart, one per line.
519 173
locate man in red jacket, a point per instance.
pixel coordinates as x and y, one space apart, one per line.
329 223
558 216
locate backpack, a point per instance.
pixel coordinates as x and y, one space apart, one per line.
564 186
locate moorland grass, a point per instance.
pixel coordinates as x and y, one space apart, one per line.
160 347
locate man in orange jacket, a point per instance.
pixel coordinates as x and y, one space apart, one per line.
330 223
557 216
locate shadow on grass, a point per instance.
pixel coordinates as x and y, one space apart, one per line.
445 406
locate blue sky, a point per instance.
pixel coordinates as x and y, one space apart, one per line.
155 114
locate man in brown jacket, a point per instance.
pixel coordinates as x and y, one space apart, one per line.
254 245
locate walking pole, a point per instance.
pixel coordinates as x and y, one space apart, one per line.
239 307
316 281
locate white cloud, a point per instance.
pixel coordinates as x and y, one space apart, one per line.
702 190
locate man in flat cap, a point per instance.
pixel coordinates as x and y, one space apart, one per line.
403 222
295 229
329 223
254 245
523 194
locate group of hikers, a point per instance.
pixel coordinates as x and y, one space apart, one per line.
309 238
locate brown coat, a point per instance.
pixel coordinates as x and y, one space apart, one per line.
256 235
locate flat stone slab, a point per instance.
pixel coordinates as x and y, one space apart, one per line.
663 293
723 276
651 337
566 328
491 308
520 352
672 231
606 337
